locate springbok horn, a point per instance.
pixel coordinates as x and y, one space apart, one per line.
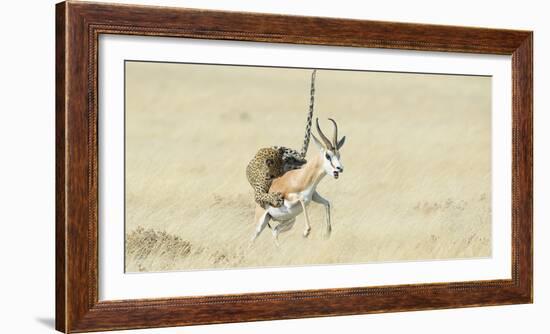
328 145
335 138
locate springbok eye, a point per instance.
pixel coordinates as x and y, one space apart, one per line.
327 156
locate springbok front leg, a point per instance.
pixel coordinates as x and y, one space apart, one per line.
321 200
306 216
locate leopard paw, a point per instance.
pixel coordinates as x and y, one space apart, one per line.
276 199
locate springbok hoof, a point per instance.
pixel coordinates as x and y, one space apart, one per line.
306 233
252 241
276 238
328 232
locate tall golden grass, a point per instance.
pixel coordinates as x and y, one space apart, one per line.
417 178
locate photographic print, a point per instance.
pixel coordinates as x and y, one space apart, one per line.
316 166
232 166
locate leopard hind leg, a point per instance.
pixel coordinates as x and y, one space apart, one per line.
265 199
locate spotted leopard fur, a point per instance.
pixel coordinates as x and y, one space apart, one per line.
268 164
271 162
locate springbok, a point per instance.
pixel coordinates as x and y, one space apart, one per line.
299 187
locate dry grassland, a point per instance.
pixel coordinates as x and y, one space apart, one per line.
417 178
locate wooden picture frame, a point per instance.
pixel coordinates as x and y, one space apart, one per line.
78 26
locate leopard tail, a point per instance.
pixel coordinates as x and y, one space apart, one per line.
309 116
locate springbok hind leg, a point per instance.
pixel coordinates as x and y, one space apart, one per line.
262 221
321 200
282 227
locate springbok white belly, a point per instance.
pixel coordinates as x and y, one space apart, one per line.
291 209
286 212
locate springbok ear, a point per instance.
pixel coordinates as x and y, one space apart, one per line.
317 142
341 142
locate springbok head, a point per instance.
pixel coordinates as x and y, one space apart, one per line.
330 150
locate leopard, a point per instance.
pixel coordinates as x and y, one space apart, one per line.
268 164
272 162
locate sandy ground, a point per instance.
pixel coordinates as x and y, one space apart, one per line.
417 163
